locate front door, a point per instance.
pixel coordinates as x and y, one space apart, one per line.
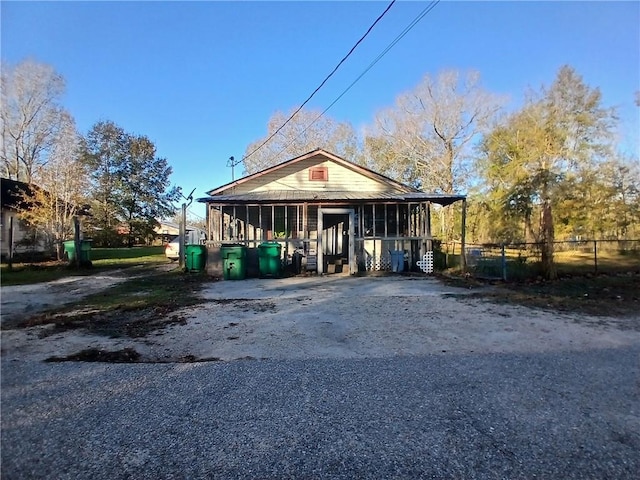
336 252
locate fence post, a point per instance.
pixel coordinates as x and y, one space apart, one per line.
463 252
595 255
504 263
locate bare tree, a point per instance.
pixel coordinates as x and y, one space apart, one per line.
61 185
307 131
31 117
426 138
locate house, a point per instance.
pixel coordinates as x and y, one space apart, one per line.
341 217
21 237
15 234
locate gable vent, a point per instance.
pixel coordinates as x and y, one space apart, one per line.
319 174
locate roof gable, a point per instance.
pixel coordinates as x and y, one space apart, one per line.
305 173
13 193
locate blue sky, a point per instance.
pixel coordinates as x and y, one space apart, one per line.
201 79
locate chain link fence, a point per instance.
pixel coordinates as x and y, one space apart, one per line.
524 260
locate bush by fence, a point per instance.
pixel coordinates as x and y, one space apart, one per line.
523 260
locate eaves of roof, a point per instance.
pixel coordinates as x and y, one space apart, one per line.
297 196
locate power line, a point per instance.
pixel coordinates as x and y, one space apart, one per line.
323 82
413 23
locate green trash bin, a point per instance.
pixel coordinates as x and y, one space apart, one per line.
85 250
269 259
195 257
234 262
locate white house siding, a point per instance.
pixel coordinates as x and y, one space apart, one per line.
296 177
19 234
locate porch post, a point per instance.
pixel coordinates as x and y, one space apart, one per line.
319 251
353 264
221 229
428 221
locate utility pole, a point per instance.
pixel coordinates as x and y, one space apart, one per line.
183 227
232 163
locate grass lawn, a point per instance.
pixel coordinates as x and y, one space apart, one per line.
101 259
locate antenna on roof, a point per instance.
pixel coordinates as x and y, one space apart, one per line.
232 163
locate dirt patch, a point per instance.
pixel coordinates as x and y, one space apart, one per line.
114 324
125 355
616 297
246 305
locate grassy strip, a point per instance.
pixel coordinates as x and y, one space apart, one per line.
101 259
597 295
125 253
132 308
601 295
157 290
26 274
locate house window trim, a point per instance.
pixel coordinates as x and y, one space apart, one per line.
318 174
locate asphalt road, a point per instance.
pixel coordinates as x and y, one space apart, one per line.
548 415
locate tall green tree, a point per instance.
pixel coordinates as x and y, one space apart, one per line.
130 184
145 194
104 154
539 154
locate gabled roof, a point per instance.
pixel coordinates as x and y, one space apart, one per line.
330 156
12 193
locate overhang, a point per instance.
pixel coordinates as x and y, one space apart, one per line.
300 196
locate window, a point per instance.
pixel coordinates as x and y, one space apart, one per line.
318 174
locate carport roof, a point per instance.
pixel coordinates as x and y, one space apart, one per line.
298 196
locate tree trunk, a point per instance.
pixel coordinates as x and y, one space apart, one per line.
548 266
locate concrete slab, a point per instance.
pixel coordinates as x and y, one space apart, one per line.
329 285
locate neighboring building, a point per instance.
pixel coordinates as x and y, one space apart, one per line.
342 217
12 192
168 231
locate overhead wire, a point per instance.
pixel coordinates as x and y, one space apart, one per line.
413 23
324 81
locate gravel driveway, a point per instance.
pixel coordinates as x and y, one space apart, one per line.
332 378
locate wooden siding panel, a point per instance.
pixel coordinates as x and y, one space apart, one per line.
296 177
